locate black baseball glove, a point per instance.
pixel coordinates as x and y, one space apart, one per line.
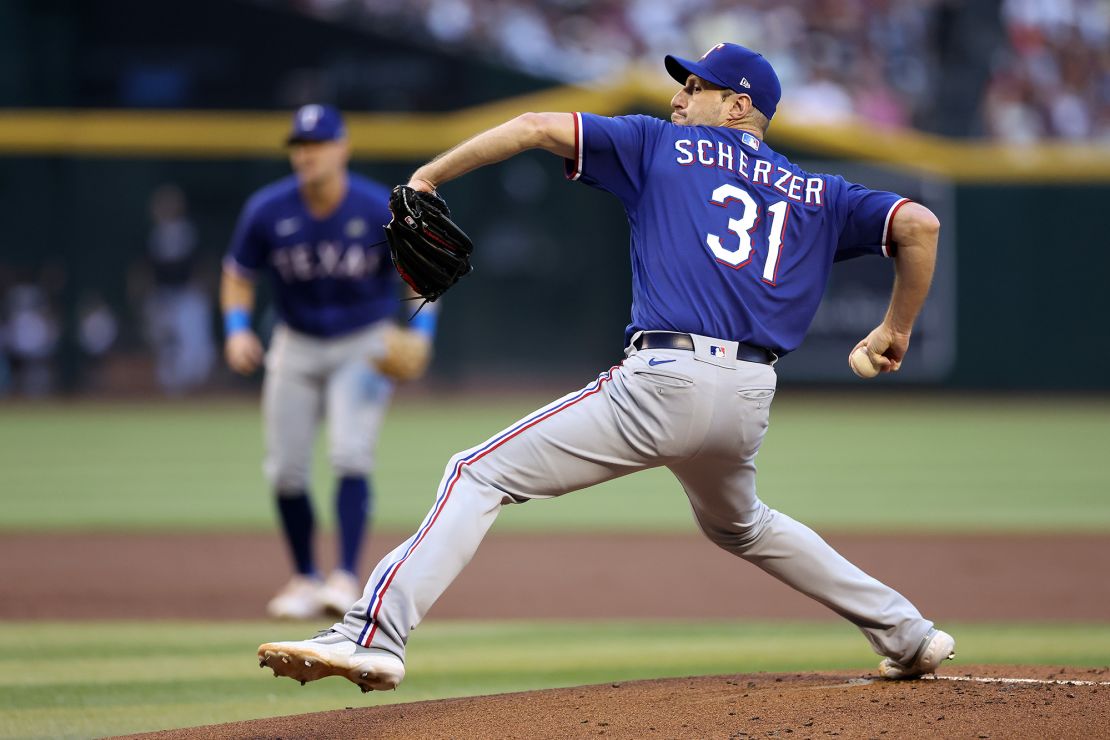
428 249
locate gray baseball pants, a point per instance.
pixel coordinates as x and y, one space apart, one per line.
702 417
307 377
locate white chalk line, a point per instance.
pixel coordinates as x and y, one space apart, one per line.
991 679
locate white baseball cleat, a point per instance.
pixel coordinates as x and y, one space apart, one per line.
331 654
339 593
298 599
936 647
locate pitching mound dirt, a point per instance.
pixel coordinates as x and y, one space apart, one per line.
1064 703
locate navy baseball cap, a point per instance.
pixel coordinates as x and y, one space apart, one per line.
315 122
734 67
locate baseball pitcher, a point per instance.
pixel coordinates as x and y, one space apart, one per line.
731 248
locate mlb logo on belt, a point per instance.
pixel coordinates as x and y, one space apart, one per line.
716 351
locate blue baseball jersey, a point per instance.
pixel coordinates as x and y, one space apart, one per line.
331 275
729 239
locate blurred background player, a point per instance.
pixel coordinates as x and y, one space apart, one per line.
318 235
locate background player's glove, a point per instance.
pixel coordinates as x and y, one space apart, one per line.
428 249
407 353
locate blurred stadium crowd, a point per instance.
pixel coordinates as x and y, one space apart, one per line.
876 59
171 296
1015 70
1053 80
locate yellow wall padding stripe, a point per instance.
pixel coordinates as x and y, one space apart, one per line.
417 136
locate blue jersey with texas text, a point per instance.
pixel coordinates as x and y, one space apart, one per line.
331 275
729 239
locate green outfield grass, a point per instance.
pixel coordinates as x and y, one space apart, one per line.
78 679
863 462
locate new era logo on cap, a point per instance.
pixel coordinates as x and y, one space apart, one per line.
734 67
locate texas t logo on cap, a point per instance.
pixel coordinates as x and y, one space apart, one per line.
308 116
316 122
703 56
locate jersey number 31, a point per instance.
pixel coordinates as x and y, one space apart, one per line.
743 227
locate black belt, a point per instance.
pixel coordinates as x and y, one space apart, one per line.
675 340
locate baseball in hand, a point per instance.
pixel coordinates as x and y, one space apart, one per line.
861 363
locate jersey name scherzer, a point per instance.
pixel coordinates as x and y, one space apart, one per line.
331 275
729 239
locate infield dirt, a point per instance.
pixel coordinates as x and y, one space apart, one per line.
527 576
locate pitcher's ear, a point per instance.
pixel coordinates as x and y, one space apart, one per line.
743 105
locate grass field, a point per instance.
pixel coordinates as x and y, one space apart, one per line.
861 463
88 679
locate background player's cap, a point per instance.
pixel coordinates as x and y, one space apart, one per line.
737 68
316 123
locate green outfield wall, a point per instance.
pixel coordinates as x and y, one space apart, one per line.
1034 302
1024 265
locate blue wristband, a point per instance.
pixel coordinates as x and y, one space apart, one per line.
236 320
424 322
